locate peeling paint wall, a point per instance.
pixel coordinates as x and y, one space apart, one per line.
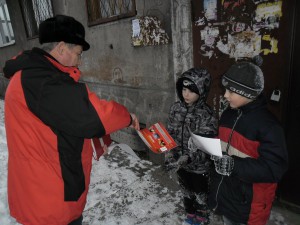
182 36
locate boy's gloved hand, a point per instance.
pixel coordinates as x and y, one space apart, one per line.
183 160
224 165
170 166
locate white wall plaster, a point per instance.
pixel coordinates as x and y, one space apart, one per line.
181 36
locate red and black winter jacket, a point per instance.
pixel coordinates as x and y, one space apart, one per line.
260 157
50 118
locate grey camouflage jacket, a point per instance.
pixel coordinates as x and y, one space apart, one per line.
199 118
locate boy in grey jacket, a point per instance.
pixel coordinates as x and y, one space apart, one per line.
192 112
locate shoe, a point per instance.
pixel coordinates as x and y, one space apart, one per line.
202 218
190 219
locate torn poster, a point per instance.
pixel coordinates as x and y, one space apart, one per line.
268 15
147 31
271 42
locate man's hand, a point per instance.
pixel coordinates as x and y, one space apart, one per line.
105 149
224 165
135 122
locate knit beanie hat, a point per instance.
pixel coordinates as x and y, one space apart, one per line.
245 79
63 28
190 85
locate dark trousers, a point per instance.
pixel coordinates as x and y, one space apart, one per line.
230 222
77 221
193 184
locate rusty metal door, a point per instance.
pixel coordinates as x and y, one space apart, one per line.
289 187
235 30
228 31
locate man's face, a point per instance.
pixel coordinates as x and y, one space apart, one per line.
71 55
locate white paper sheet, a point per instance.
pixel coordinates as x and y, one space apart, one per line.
211 146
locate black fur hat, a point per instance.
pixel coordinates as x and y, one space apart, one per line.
63 28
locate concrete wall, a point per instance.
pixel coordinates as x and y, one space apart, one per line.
141 78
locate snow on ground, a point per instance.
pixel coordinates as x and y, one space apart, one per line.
4 212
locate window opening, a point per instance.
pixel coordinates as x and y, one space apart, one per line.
34 12
7 36
103 11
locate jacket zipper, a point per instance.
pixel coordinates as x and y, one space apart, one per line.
182 131
227 147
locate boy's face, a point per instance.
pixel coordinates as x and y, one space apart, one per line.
189 96
235 100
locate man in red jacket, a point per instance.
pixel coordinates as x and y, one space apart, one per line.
50 119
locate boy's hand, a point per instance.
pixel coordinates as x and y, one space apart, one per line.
224 165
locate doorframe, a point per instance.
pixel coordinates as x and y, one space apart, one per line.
291 78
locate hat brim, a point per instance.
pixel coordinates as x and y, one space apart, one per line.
238 89
83 43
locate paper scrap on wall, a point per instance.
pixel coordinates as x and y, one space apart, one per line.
147 31
270 45
210 9
268 15
244 45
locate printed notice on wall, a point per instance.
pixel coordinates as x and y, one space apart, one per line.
136 29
